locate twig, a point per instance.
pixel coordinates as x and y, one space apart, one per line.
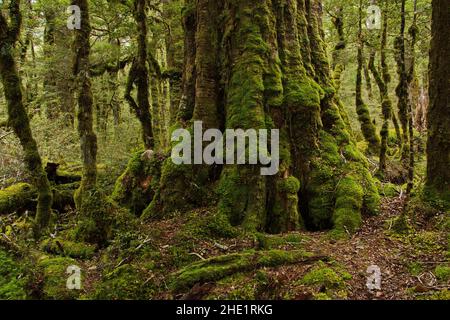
5 135
197 255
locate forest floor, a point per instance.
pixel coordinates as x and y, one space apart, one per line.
193 256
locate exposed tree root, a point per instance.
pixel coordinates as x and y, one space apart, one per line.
217 268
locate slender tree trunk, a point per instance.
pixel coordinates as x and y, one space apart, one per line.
81 68
367 127
413 32
17 115
139 75
438 150
383 81
402 88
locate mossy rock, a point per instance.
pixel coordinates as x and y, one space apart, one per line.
13 281
68 248
55 276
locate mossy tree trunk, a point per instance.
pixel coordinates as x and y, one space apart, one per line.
367 127
413 32
139 75
438 150
263 65
383 81
81 69
17 115
402 87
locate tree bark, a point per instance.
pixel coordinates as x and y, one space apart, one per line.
438 150
254 71
367 127
17 115
81 69
139 76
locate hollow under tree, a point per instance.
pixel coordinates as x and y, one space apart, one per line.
263 65
17 115
438 150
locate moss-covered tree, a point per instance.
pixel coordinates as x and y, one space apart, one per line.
139 75
383 81
263 65
81 70
438 150
17 115
367 127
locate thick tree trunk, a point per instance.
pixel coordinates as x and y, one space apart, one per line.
17 115
438 150
263 65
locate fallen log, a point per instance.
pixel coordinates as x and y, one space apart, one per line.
23 196
217 268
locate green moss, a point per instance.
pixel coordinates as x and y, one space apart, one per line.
442 272
439 295
349 202
326 277
68 248
242 197
209 225
55 278
97 214
124 283
415 268
12 279
290 185
136 187
16 198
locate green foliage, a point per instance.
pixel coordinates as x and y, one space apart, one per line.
55 278
442 272
127 282
136 187
68 248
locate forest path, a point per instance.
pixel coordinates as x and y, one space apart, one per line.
396 256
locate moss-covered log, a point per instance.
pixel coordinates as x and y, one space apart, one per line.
23 196
220 267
